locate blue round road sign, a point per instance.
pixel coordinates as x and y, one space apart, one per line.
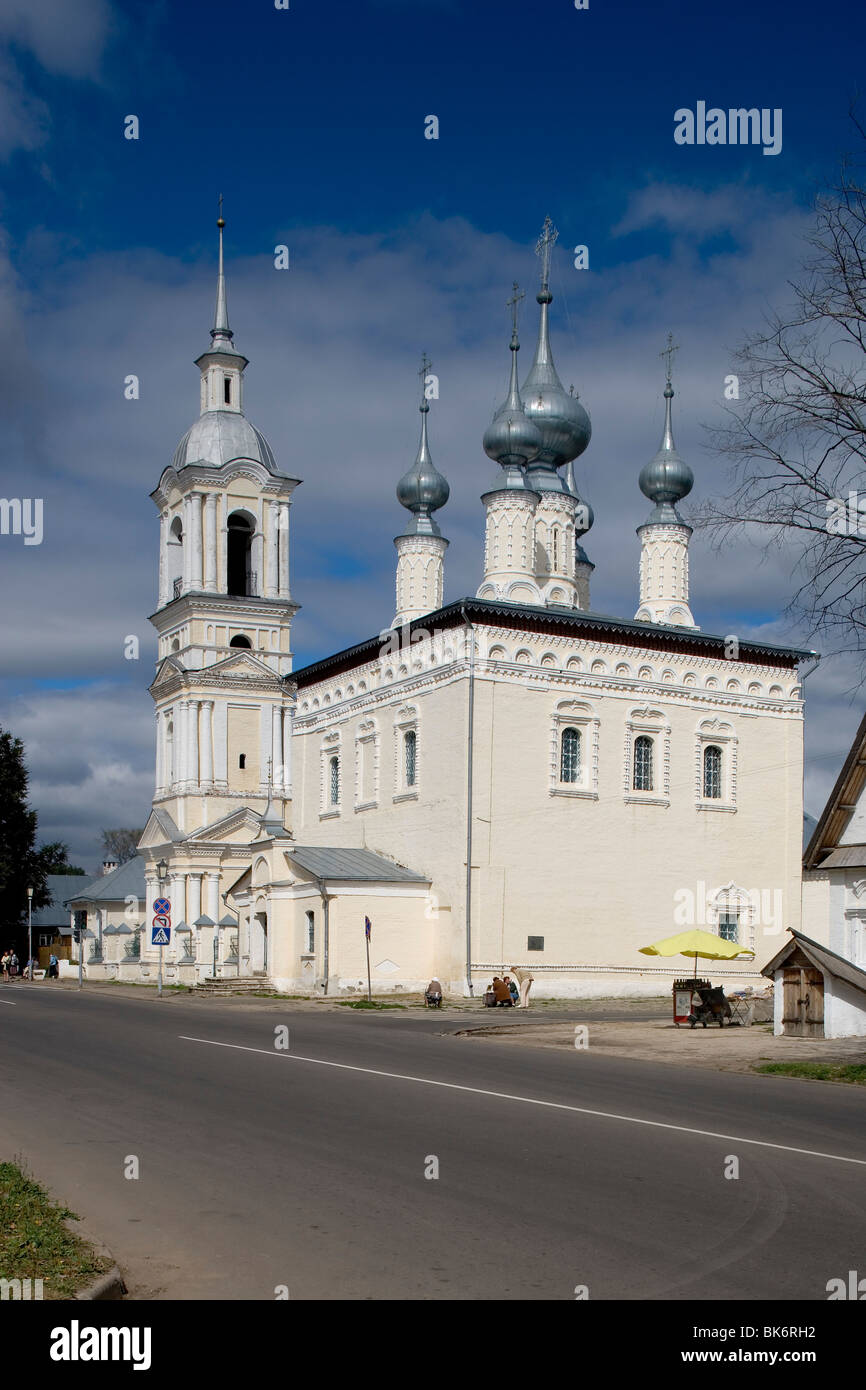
162 907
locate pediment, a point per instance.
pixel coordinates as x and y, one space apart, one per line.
160 830
169 669
237 828
244 664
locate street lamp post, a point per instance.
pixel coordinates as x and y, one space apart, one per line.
30 934
162 870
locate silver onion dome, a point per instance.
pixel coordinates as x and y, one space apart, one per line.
564 423
667 478
511 438
423 489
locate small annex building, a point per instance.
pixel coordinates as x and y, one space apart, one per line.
818 994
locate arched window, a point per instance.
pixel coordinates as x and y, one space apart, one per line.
556 547
643 764
239 577
241 641
569 756
334 768
410 748
712 773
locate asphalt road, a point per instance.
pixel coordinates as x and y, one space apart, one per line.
261 1167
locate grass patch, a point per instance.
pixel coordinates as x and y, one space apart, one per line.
852 1072
366 1004
34 1242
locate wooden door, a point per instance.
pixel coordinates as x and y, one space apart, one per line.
803 1002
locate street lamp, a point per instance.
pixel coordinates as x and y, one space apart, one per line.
30 934
161 871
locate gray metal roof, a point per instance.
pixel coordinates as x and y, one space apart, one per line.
821 957
221 436
127 881
56 914
568 621
845 857
352 865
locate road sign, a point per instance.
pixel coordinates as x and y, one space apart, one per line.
162 921
160 936
162 907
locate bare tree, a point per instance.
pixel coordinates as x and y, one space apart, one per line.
120 844
797 438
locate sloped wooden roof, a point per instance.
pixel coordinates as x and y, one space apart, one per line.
843 798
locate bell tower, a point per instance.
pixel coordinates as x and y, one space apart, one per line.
223 712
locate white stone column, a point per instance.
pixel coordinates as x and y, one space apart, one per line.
271 534
220 744
206 745
193 742
187 544
283 548
196 500
213 896
258 561
222 525
265 745
160 751
210 542
193 897
163 559
177 898
180 743
287 751
276 746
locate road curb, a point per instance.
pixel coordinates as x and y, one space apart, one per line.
107 1286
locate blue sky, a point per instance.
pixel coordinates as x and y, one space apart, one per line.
311 123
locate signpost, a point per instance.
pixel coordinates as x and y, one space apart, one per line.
160 933
367 940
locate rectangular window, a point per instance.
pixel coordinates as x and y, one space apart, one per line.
535 943
729 926
242 760
227 390
311 932
643 764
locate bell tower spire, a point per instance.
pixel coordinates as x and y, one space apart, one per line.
421 548
664 536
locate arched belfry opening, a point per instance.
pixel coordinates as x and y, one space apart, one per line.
241 641
240 577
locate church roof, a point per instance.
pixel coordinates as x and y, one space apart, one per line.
352 865
835 816
563 621
60 886
126 881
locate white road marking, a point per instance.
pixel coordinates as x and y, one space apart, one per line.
8 1001
526 1100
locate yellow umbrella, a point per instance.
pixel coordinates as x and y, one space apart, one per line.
697 943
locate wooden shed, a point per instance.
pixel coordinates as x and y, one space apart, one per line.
818 994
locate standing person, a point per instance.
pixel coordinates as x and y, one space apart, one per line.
524 979
13 965
5 964
52 966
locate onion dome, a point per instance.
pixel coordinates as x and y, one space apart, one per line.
564 423
423 489
511 438
667 478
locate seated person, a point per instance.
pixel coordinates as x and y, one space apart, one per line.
502 992
433 992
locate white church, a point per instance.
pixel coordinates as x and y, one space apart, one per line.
509 778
